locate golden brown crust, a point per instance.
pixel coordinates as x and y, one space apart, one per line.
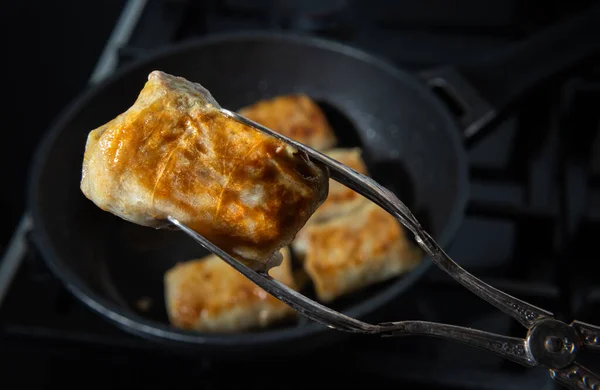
209 295
341 199
173 153
295 116
356 250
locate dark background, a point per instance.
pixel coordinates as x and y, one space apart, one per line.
50 49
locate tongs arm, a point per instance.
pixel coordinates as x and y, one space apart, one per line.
590 334
576 377
550 343
511 348
523 312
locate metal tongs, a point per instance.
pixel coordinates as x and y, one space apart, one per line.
550 343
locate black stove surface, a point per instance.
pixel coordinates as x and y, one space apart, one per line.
533 214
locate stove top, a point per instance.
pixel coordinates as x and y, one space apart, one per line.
533 215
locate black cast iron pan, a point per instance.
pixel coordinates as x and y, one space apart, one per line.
412 141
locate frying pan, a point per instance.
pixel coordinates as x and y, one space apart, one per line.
413 143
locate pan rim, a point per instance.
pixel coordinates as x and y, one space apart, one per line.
138 325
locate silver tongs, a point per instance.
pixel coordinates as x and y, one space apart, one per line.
550 343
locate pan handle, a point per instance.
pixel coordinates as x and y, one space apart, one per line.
477 93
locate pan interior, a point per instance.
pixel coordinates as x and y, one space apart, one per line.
407 139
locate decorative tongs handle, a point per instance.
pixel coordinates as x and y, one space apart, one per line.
550 343
576 376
